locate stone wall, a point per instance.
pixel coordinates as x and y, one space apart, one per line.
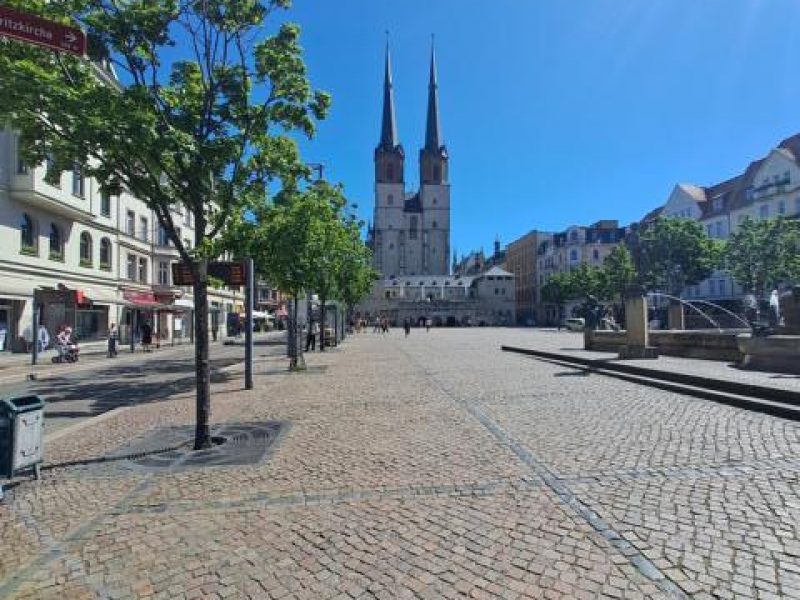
706 344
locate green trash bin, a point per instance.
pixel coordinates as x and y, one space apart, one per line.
21 423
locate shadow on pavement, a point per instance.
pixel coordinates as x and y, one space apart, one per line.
125 385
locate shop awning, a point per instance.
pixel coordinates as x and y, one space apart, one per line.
281 312
146 300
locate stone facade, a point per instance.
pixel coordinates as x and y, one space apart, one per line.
450 300
410 234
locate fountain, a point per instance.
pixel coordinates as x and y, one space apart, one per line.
685 303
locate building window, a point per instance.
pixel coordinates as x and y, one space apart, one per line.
434 201
50 174
712 287
77 181
130 223
86 249
56 243
573 255
412 230
718 226
390 199
22 168
142 269
105 204
710 230
434 225
496 291
163 239
27 235
763 211
143 229
595 254
131 267
105 254
797 206
781 207
163 273
187 244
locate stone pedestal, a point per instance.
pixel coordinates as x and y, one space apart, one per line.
637 343
790 311
676 319
775 353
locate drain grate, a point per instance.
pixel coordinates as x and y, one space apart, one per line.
170 448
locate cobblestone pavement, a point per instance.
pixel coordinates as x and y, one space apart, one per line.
432 466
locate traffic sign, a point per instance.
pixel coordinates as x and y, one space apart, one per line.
35 30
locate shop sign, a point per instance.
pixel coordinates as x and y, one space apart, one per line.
139 297
41 32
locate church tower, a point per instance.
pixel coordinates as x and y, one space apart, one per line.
434 186
411 232
389 183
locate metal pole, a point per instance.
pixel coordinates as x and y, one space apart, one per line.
248 328
35 336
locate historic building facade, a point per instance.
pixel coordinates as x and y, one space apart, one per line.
89 259
410 234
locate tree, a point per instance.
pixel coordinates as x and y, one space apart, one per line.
558 289
356 274
584 280
616 274
191 130
763 253
676 253
279 239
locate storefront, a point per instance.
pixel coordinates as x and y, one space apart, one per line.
140 308
62 307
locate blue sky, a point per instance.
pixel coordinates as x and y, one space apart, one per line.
556 112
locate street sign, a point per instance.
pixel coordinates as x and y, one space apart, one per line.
231 273
35 30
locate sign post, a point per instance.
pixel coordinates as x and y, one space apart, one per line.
248 328
41 32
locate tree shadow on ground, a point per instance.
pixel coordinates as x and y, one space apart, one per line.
126 385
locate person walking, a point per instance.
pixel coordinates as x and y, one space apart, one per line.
427 325
311 337
42 338
407 326
147 336
113 336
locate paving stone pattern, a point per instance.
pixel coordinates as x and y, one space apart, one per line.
432 466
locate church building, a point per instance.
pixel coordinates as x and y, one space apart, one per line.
410 234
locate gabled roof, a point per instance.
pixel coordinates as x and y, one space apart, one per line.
695 192
498 272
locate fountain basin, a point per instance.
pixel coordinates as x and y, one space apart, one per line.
777 353
710 344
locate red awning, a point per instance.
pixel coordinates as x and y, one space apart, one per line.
142 300
281 312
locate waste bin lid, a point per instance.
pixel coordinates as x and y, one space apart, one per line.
21 404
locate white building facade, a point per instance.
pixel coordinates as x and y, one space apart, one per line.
91 259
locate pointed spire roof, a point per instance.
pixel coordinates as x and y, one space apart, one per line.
433 132
388 124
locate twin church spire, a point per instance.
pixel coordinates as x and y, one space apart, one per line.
389 155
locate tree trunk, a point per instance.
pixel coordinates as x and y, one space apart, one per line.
323 313
202 436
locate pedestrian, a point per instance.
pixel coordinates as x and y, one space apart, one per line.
43 338
428 325
113 336
311 337
376 325
385 325
774 308
407 326
147 336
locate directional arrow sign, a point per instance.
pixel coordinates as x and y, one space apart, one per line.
35 30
